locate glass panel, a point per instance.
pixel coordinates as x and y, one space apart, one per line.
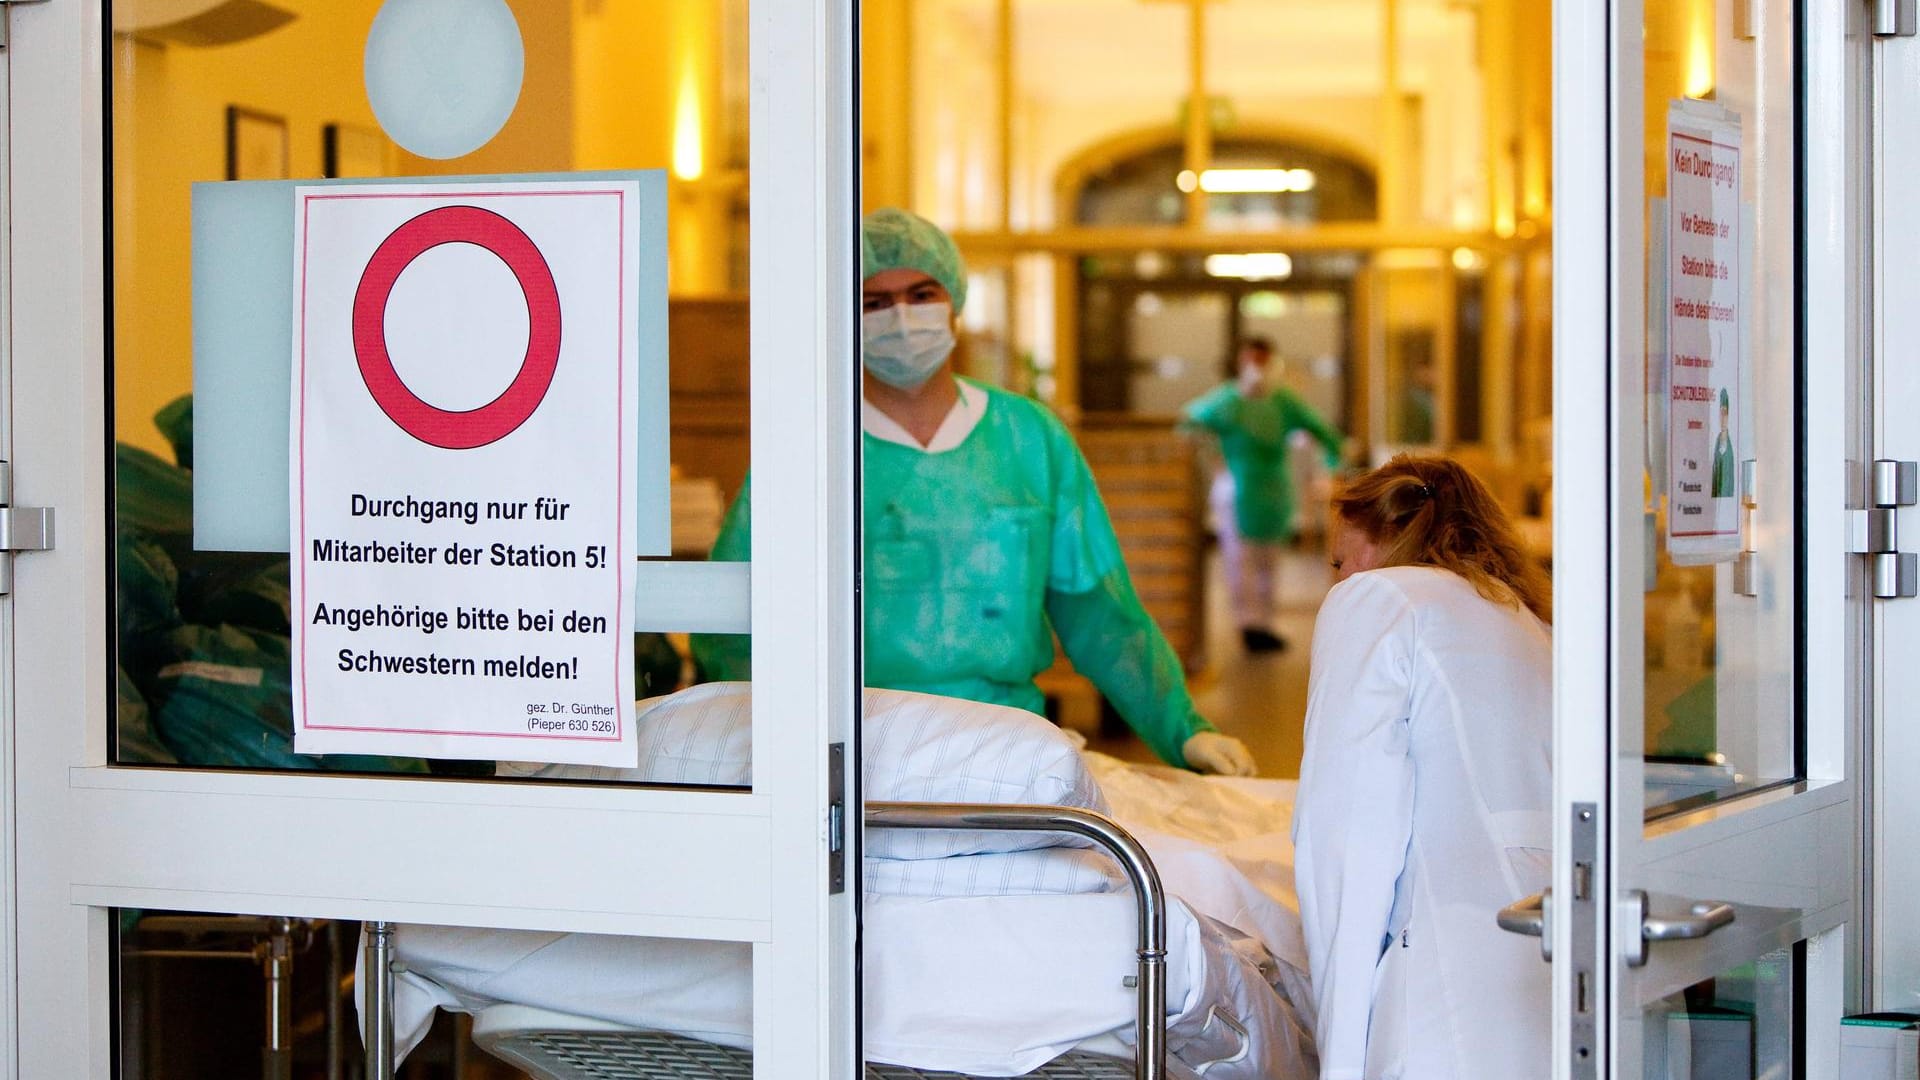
1737 1026
1180 348
205 995
202 640
1059 158
1418 335
1722 461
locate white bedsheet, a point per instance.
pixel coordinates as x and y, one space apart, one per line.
1224 845
993 984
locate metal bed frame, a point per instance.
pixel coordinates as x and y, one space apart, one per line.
585 1050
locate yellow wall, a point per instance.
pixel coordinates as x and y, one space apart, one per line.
603 79
646 95
886 103
170 130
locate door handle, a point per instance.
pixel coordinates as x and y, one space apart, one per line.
1701 919
1529 917
1526 916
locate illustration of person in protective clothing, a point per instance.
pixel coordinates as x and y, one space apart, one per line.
1723 453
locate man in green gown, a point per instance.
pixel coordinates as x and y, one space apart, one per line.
984 534
1253 498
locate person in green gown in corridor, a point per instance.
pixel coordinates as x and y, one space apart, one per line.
1253 498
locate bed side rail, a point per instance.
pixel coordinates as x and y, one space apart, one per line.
1150 982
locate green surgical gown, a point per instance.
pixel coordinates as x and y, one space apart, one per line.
975 557
1253 435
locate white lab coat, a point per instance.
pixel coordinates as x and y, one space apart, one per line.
1424 803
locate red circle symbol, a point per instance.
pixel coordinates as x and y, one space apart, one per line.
497 418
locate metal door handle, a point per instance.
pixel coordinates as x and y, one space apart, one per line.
1703 918
1526 916
1530 917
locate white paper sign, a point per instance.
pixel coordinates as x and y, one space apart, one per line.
1705 323
463 438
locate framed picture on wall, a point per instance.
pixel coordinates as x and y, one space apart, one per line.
350 150
256 145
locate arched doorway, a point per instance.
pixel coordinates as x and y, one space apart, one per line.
1158 328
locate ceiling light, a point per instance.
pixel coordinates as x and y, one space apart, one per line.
1251 266
1249 181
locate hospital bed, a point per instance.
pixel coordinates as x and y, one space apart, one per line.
558 1046
961 981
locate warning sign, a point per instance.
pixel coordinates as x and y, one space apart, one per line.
462 443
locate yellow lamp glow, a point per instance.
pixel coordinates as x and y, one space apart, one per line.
688 153
1699 78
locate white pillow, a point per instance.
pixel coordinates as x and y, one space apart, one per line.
923 748
915 748
702 735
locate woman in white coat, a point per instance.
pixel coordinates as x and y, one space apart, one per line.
1426 784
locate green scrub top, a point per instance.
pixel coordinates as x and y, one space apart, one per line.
975 557
1253 436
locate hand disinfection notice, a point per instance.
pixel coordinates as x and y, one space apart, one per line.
1704 326
463 439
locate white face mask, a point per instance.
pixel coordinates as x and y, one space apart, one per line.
905 344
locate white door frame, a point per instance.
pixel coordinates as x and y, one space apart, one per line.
1891 951
86 835
1599 330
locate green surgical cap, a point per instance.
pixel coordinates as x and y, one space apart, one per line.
893 239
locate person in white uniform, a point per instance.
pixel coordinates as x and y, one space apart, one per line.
1426 784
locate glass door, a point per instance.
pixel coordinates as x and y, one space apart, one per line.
1707 644
156 797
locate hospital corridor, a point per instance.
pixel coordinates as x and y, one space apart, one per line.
959 540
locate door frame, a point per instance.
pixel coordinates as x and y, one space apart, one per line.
85 835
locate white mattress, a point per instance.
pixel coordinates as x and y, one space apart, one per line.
993 985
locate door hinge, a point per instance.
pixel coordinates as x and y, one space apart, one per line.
1893 18
1875 531
837 818
1746 572
1583 931
22 528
